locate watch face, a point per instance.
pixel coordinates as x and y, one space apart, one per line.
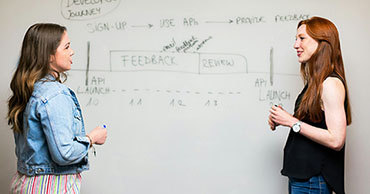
296 128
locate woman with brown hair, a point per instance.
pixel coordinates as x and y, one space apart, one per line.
314 151
51 142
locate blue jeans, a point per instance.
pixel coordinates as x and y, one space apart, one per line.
314 185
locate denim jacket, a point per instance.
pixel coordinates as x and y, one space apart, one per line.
53 139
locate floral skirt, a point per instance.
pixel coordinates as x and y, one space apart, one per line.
46 184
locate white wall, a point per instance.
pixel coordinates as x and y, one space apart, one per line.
184 124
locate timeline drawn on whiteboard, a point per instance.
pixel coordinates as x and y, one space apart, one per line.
179 62
175 56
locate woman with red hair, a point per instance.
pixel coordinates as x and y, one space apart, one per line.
314 151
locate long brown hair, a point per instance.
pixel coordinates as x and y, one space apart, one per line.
39 44
326 60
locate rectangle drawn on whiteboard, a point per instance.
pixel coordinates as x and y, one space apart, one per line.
197 63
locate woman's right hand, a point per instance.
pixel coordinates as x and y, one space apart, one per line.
98 135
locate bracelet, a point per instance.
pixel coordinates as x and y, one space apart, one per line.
91 144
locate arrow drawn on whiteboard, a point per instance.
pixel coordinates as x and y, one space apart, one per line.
220 22
87 63
142 26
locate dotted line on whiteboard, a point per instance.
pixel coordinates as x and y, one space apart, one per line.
181 92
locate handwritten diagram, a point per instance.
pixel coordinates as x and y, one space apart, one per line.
177 55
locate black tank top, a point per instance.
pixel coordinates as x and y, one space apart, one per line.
304 158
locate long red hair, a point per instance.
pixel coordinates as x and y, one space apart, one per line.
326 60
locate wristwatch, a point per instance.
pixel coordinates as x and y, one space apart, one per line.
297 127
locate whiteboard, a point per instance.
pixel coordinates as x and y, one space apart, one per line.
185 88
